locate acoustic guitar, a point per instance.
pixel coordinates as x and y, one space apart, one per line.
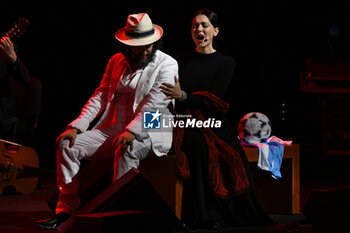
18 166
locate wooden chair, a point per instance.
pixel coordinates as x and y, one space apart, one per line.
161 173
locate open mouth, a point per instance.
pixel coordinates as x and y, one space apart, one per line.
200 37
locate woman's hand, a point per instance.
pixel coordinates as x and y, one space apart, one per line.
172 91
125 139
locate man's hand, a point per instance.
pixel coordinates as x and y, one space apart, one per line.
69 134
7 46
172 91
125 139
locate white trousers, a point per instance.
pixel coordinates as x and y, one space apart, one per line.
92 145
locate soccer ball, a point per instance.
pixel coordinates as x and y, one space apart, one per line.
254 127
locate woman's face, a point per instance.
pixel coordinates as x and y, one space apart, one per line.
203 33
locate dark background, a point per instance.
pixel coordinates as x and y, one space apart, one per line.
69 44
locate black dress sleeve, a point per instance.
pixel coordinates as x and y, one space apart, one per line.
218 86
19 71
222 81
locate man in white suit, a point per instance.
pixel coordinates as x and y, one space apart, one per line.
129 85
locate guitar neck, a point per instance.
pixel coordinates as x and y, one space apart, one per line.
10 143
18 28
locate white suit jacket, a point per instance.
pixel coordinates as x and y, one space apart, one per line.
148 95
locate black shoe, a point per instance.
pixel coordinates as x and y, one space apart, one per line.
212 225
216 226
52 223
202 225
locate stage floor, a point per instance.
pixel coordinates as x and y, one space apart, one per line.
18 213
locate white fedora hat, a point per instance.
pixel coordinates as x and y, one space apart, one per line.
139 31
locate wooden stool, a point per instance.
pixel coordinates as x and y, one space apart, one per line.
266 188
161 173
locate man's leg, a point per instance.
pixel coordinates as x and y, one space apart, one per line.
124 160
95 144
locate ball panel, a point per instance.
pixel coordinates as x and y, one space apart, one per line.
254 127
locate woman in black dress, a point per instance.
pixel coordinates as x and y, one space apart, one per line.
218 185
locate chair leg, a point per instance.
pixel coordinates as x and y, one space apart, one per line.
178 198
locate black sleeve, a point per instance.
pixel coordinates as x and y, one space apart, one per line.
223 78
18 71
219 87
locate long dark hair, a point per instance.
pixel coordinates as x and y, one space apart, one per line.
213 18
